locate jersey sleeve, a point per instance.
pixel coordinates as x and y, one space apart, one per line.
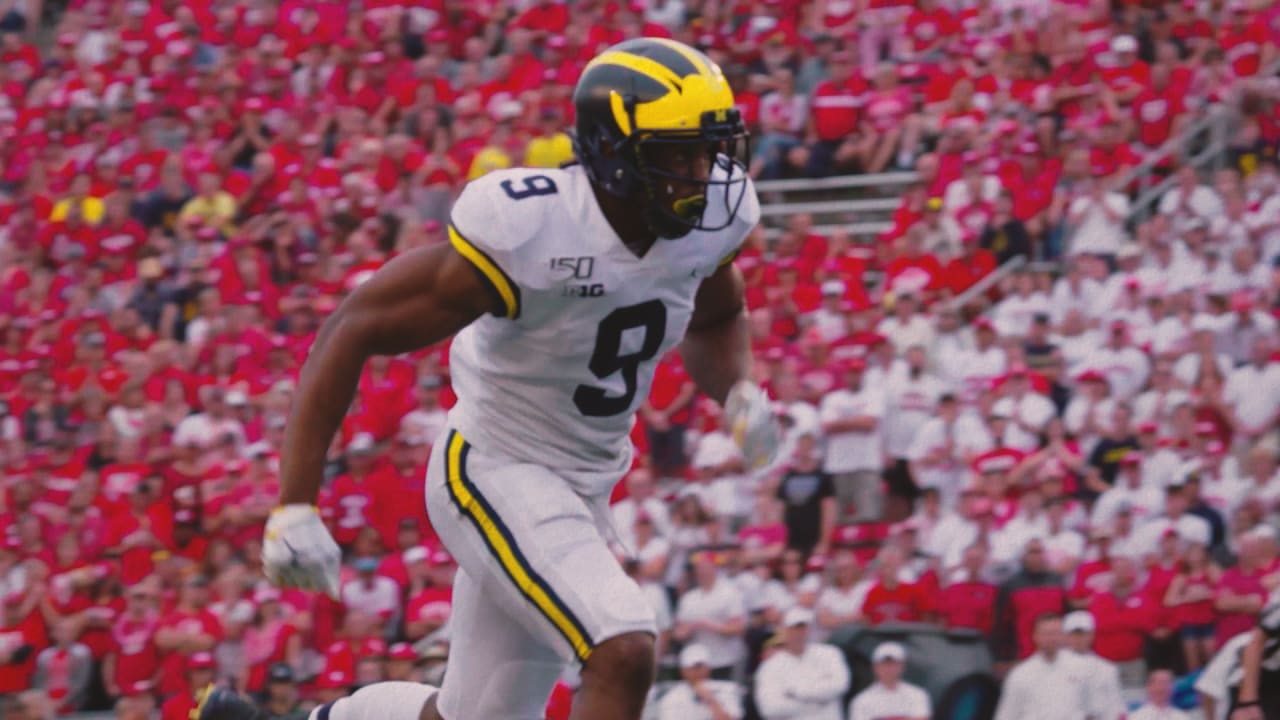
491 224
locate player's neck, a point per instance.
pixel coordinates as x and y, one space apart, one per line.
625 218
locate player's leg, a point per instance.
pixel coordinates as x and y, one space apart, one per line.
552 592
496 668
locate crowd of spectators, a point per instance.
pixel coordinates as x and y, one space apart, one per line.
188 188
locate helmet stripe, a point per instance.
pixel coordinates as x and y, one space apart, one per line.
643 65
700 63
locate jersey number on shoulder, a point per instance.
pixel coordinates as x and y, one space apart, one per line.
607 358
534 185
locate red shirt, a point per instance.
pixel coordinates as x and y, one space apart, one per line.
886 109
137 657
964 271
173 678
137 562
904 603
668 379
353 502
432 602
1155 112
178 707
835 108
926 28
1123 625
30 630
1243 46
968 605
1239 582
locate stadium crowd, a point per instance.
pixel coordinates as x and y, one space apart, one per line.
187 189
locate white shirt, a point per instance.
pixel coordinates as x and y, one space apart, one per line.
967 435
1157 406
842 602
1067 297
1254 393
680 702
909 403
1126 369
852 450
206 431
381 599
1104 698
1044 690
1188 367
1204 202
1014 313
807 687
1082 411
723 603
1096 232
916 331
1033 410
1146 538
1145 502
878 702
1151 712
976 369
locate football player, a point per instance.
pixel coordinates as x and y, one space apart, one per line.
562 289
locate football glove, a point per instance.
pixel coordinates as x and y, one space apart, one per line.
748 415
299 552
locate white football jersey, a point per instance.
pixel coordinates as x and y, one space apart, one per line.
557 381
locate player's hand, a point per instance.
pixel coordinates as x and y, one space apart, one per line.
299 552
748 414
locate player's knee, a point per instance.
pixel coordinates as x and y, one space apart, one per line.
627 658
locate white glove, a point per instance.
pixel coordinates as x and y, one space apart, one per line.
748 414
298 551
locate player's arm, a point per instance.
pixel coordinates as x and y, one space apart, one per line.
1251 664
717 345
418 299
717 355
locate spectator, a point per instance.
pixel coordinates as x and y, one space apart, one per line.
372 594
187 629
270 639
1128 620
282 702
200 669
713 614
890 598
697 696
968 595
1241 595
890 695
1190 598
1101 678
1032 592
840 602
1046 684
852 418
802 679
1159 702
809 499
134 657
65 669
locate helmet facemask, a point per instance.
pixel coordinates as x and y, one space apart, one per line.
631 170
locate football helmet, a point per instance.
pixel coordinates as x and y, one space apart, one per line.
651 98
